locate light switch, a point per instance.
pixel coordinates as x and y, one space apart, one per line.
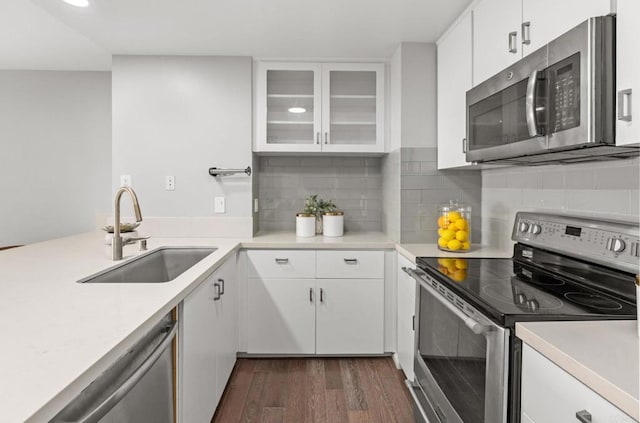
218 204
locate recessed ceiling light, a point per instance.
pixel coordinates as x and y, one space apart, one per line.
77 3
297 110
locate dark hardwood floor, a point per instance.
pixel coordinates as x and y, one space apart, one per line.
315 390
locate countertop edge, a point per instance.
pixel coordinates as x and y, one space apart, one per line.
599 384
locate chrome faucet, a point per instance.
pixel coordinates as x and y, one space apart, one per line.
117 239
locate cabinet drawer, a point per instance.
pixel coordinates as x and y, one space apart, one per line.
281 264
348 264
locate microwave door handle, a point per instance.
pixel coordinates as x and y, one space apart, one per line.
475 326
532 122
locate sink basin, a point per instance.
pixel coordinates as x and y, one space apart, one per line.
161 265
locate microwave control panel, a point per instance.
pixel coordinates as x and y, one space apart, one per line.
564 94
609 243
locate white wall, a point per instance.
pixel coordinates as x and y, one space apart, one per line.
55 165
181 115
419 99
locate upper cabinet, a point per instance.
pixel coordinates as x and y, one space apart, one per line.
496 37
504 31
312 107
545 20
454 79
627 73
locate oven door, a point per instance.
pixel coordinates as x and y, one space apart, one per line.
462 360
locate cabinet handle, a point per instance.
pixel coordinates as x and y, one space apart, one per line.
282 260
464 146
513 48
310 295
624 105
216 288
583 416
526 35
321 295
351 261
221 286
317 137
326 138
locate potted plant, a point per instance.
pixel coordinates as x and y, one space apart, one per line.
317 207
125 228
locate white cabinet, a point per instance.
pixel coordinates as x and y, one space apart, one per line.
496 37
551 395
506 30
350 316
454 79
209 342
314 107
406 314
282 314
628 73
545 20
308 302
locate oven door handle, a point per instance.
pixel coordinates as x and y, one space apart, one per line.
475 326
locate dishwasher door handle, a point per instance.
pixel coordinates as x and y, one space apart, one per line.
103 408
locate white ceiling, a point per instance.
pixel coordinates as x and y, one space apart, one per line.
48 34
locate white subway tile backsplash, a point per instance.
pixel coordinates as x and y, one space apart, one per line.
604 201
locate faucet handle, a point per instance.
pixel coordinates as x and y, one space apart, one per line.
131 240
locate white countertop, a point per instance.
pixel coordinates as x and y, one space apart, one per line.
603 355
412 251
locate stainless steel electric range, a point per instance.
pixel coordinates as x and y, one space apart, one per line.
468 360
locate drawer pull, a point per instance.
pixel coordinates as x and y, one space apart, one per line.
216 288
321 295
351 261
310 295
282 260
583 416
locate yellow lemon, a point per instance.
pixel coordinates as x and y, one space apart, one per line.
448 234
461 224
462 236
459 275
454 245
466 245
446 262
440 231
453 216
442 243
461 264
443 222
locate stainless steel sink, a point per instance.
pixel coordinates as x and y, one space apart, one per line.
161 265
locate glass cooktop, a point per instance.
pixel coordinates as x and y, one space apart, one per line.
509 290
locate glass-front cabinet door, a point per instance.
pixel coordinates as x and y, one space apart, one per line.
314 107
288 107
352 107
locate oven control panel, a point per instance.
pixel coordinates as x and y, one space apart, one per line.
611 243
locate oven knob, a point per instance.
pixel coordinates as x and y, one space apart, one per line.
535 229
533 305
616 245
524 226
521 298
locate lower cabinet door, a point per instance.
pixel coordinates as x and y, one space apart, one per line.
406 312
226 324
198 371
350 316
281 316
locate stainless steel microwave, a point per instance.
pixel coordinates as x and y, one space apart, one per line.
554 105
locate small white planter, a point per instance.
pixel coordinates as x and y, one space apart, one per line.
333 224
305 225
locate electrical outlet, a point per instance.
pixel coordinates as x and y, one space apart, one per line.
218 204
170 183
125 180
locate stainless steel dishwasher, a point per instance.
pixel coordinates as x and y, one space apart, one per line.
138 388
